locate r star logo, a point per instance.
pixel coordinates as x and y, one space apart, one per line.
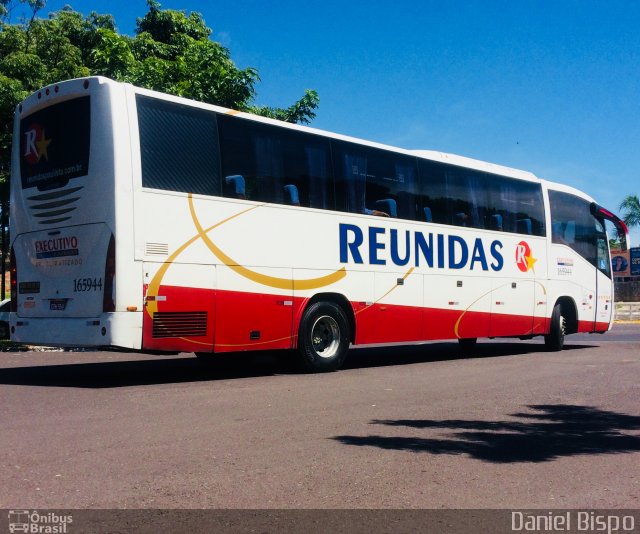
524 259
36 144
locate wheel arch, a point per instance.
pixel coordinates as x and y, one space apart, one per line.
569 311
338 299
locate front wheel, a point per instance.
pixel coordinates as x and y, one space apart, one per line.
554 340
324 336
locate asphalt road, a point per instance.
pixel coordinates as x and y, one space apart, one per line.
509 426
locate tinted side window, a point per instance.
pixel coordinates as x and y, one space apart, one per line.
434 192
516 206
465 197
453 195
178 147
375 182
573 224
270 164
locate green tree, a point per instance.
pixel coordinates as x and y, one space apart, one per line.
171 51
630 209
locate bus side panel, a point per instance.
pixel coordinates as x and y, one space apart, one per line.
248 320
178 317
456 307
587 307
541 319
574 277
398 308
604 305
512 307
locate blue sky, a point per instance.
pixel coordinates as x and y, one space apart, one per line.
552 87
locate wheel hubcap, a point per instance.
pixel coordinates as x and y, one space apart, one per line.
325 336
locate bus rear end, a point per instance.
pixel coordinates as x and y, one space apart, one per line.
70 148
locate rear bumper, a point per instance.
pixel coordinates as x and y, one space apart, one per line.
118 329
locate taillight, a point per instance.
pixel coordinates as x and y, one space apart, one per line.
13 277
108 299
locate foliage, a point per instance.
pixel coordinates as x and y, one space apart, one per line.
303 111
630 208
171 52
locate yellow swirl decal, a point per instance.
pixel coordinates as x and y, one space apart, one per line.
154 285
263 279
395 286
457 325
270 281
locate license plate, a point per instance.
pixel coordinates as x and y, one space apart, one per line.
57 304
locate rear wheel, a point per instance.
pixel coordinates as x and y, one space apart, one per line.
4 330
324 336
554 340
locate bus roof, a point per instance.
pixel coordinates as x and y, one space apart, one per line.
432 155
34 100
470 163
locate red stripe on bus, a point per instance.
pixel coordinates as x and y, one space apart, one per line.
250 321
179 300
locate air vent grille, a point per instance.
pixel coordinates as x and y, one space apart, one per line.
156 249
179 324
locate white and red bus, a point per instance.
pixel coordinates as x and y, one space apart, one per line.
151 222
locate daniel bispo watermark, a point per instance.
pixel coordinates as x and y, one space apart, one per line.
39 523
572 521
304 521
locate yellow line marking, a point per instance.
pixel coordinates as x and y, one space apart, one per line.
406 275
263 279
154 285
194 341
457 325
288 338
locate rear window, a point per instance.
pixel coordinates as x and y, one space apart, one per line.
54 144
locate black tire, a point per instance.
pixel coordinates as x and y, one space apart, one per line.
4 330
323 340
467 343
554 340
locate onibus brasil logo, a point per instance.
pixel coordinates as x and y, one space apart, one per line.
38 523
